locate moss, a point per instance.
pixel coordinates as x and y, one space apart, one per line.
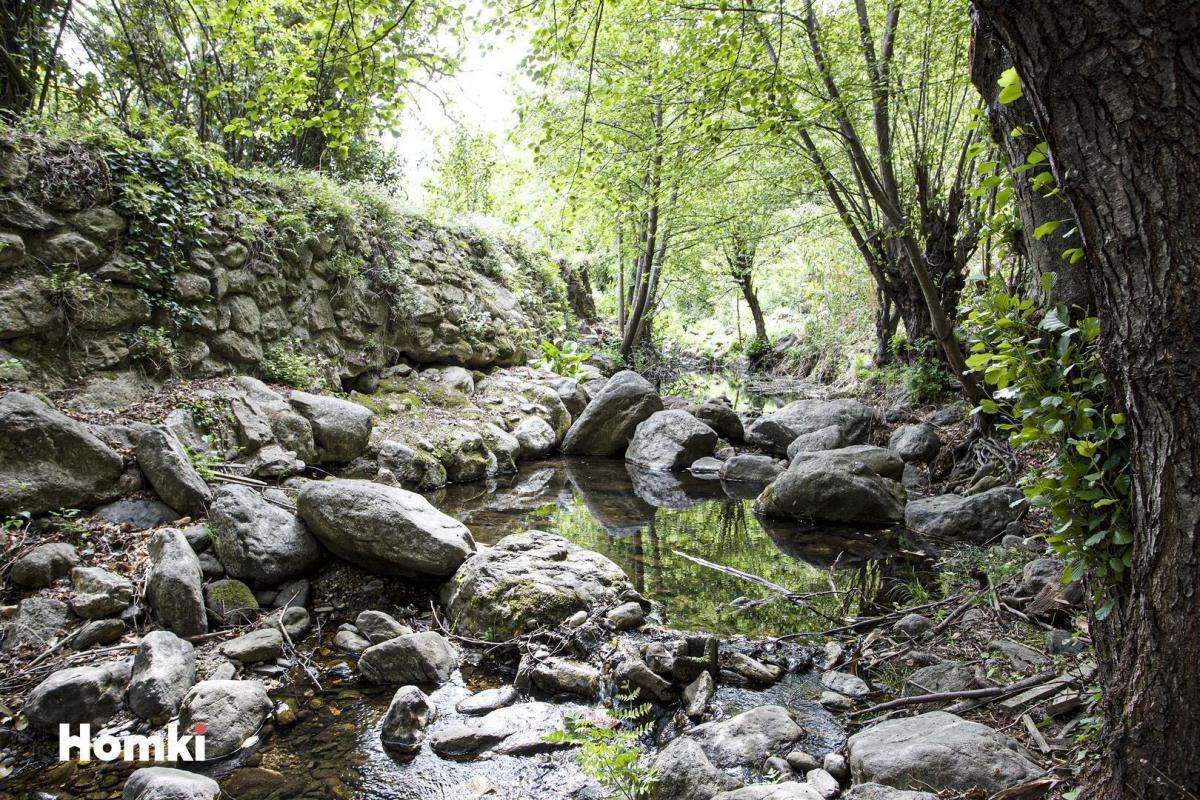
229 600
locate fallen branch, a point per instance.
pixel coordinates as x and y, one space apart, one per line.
782 591
990 693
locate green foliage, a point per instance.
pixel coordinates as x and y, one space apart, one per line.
155 348
70 289
1051 395
290 363
203 463
611 751
564 360
463 175
756 348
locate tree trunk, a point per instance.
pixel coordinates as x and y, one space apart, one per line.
989 59
1115 86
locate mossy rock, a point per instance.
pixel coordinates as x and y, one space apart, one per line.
229 602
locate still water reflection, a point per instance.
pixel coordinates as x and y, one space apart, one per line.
645 520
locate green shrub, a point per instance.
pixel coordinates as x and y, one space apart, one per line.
287 362
756 348
612 754
1050 394
564 360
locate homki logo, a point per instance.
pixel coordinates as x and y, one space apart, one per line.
131 746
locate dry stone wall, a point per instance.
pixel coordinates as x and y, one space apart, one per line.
257 279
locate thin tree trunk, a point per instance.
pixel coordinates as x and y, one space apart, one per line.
1115 87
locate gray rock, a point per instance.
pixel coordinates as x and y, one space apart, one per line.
913 625
100 222
559 675
788 790
231 712
38 624
830 491
945 676
487 701
977 518
166 465
98 631
1039 574
350 642
378 627
43 565
97 593
527 581
685 773
670 440
514 730
606 426
341 428
722 419
939 752
164 783
697 694
264 644
754 670
293 593
824 783
263 415
164 669
420 658
880 460
801 762
751 468
174 583
626 616
1060 641
919 443
877 791
412 468
259 542
78 695
831 437
1018 656
49 461
407 717
948 415
384 529
198 536
68 249
211 566
503 446
230 602
775 431
707 467
845 684
139 515
535 437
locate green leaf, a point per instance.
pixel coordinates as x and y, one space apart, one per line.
1046 228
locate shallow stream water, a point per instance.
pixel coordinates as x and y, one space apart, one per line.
648 523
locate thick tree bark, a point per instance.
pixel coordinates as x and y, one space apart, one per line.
1115 86
1043 256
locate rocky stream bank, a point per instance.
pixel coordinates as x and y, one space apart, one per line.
306 577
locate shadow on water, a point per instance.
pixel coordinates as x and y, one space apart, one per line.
644 520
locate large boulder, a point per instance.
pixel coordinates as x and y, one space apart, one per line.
917 443
417 658
384 529
50 461
976 518
722 419
164 461
879 460
174 585
78 695
43 565
775 431
607 424
527 581
341 428
165 783
833 491
670 440
164 669
257 541
231 712
938 751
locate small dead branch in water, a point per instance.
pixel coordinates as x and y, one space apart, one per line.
784 592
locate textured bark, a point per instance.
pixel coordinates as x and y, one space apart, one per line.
1115 86
1043 256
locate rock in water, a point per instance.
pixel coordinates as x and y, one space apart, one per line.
750 468
788 790
341 428
776 431
165 463
721 418
607 424
164 783
833 492
880 460
231 712
976 518
670 440
407 717
174 583
257 541
77 696
424 658
938 751
49 461
384 529
526 581
535 437
164 669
